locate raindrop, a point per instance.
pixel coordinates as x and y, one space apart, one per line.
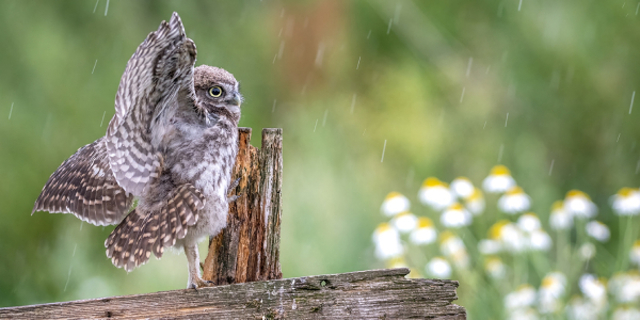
353 101
358 65
383 148
68 277
488 68
11 110
74 250
484 126
637 7
551 167
319 55
469 66
618 139
273 109
506 121
365 131
96 6
389 27
94 66
638 167
462 95
106 8
396 15
281 50
274 59
324 119
102 121
520 5
369 34
633 96
316 126
500 152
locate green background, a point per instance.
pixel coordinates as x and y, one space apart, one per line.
343 79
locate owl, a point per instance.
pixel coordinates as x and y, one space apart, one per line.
171 144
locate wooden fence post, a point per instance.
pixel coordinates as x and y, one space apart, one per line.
248 249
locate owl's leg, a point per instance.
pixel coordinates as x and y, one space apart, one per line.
195 281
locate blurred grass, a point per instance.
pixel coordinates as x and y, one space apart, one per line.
563 71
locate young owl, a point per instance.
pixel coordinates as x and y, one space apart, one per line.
172 143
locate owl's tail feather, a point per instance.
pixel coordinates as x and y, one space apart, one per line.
141 233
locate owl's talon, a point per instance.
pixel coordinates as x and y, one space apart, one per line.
200 283
233 198
233 185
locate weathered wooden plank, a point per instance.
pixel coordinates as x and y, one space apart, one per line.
248 248
377 294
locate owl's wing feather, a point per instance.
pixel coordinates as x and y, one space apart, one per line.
161 66
85 186
140 234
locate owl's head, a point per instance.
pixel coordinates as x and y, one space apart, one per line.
217 91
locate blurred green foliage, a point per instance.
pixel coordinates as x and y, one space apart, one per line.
434 81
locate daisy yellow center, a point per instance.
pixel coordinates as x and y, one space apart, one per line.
383 227
547 282
392 195
424 222
500 170
456 206
558 205
625 192
476 195
433 182
636 244
496 229
446 236
577 193
515 190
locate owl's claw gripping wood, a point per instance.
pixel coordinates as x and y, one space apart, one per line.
172 143
201 283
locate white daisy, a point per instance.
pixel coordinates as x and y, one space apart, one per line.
425 233
580 205
626 202
539 240
593 288
462 187
625 287
514 201
587 251
489 246
475 203
495 268
598 231
387 241
455 216
509 235
435 194
394 203
529 222
524 296
405 222
582 309
626 313
439 267
560 219
453 247
551 291
499 180
634 254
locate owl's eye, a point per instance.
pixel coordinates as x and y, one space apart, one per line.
215 91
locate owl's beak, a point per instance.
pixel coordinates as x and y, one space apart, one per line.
236 100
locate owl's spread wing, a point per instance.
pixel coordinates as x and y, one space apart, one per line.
157 74
85 186
141 233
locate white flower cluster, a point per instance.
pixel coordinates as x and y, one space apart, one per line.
516 245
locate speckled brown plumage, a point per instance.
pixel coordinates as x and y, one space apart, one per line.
172 144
